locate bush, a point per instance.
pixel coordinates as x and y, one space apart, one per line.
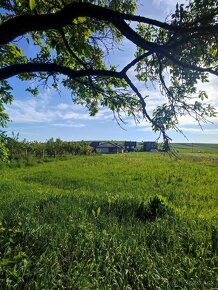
3 152
155 208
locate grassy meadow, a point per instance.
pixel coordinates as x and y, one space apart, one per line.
195 148
126 221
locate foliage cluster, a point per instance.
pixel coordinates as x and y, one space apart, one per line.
17 149
3 148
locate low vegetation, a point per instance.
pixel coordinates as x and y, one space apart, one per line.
126 221
195 148
28 152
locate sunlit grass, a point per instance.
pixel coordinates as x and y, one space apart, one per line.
88 223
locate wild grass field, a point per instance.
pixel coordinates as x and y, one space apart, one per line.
127 221
195 148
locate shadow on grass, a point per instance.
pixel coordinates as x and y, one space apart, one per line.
50 208
66 183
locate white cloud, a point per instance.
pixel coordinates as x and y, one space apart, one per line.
167 5
42 109
62 106
199 130
145 129
28 111
212 90
69 125
75 116
143 123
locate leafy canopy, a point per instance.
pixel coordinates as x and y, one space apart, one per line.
72 40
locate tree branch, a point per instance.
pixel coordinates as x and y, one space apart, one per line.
188 65
23 24
20 25
141 99
52 68
180 29
135 61
166 138
71 52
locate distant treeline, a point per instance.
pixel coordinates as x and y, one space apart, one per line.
17 149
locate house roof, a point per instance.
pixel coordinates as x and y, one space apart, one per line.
109 145
130 143
94 144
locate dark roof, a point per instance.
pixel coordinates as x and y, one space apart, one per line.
94 144
130 143
109 145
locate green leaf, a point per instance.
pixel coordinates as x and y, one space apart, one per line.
87 34
213 51
93 212
32 4
78 20
98 211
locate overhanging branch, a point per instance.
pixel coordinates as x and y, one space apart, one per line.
16 69
20 25
166 138
23 24
135 61
188 65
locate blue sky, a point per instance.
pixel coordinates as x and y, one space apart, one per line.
50 115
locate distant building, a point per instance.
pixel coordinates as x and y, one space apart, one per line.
109 148
94 144
130 146
149 145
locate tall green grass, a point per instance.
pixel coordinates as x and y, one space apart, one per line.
130 221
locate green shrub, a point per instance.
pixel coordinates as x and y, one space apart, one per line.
153 209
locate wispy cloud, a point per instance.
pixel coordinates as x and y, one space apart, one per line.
29 111
167 5
212 90
43 110
199 130
68 125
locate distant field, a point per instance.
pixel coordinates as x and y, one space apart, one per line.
195 147
126 221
